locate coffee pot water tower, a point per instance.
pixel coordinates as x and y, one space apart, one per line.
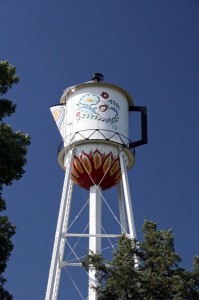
92 118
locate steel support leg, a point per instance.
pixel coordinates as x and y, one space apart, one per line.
127 196
94 229
58 249
121 202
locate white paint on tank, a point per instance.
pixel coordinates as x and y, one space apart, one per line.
94 111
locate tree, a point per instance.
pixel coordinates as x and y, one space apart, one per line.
156 276
13 150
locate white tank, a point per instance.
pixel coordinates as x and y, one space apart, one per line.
93 117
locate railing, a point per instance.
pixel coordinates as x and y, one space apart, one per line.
116 137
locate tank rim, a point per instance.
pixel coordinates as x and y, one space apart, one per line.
70 90
129 152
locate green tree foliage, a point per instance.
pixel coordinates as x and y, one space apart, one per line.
13 150
149 272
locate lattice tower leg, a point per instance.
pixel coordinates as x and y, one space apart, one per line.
129 209
121 202
58 248
127 196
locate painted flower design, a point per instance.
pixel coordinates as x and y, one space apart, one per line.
96 167
103 107
89 99
92 107
105 95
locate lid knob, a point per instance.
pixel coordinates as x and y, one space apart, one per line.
97 77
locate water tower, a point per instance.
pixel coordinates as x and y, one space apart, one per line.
97 151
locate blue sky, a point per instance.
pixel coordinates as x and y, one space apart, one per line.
148 47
